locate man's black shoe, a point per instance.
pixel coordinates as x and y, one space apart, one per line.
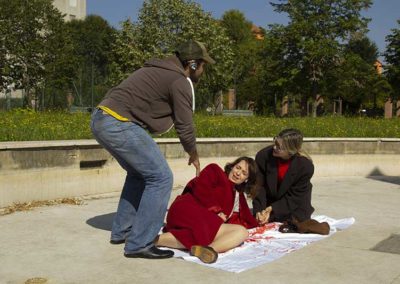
117 242
152 253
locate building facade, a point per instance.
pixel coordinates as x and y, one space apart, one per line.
73 9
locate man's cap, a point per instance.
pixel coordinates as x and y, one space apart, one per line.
194 50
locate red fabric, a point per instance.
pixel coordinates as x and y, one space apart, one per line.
245 216
192 217
283 166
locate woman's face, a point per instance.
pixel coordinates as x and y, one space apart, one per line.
239 172
279 151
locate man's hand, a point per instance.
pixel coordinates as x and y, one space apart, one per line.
194 159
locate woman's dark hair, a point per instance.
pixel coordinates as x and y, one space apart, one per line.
249 187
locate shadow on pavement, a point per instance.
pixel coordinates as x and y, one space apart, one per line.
376 174
103 222
394 180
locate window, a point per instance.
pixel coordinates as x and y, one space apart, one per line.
73 3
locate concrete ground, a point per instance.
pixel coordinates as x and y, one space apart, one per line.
69 244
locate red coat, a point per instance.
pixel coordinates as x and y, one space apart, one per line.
192 217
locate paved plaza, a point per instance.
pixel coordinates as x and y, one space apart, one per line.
69 243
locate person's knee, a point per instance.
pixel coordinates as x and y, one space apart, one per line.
243 232
168 177
165 178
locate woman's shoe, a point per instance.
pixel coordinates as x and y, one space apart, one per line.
205 254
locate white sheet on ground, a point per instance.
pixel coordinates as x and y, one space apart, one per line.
266 244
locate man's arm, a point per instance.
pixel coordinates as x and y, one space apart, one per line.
194 159
182 102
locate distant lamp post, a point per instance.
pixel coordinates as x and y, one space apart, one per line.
92 58
92 83
8 98
337 106
92 55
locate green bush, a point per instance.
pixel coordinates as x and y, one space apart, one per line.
26 125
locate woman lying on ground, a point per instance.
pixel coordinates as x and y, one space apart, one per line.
212 214
283 182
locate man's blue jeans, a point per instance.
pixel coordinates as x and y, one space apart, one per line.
148 183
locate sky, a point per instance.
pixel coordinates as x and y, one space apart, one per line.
383 13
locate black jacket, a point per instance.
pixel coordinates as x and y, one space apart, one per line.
293 197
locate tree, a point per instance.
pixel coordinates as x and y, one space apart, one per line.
92 38
374 87
355 80
278 78
5 72
127 54
237 26
392 57
164 24
246 49
59 71
351 81
30 31
364 47
314 37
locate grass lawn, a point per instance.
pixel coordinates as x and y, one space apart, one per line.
24 125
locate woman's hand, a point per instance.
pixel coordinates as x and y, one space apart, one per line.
222 216
263 216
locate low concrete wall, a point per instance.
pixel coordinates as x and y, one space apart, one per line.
46 170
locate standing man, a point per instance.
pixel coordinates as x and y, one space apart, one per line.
153 98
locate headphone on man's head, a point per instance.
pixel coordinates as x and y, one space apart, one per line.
193 64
